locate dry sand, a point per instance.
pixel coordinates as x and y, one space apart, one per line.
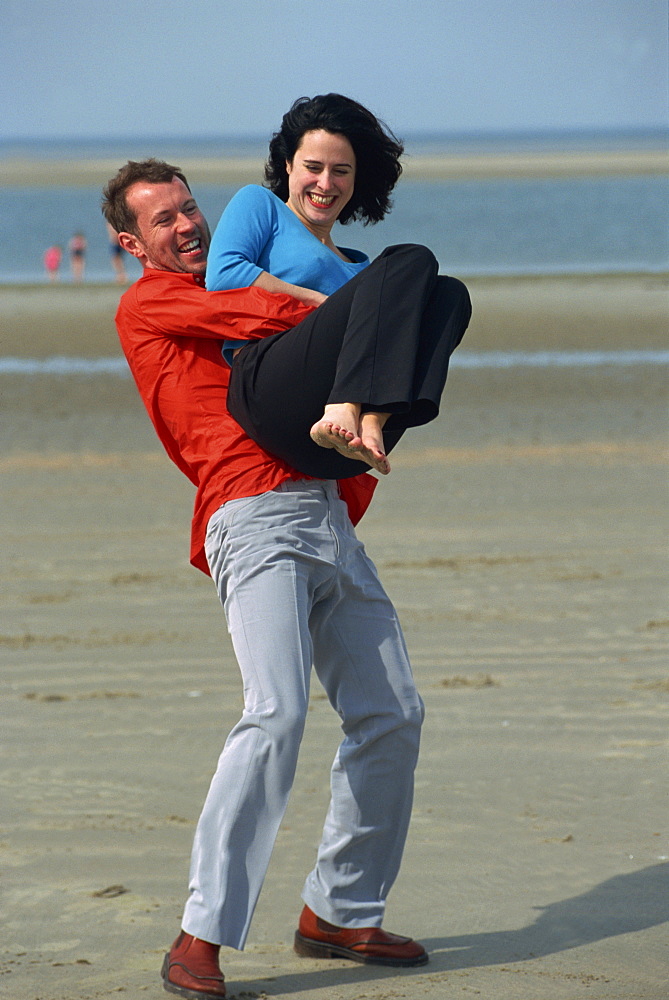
522 537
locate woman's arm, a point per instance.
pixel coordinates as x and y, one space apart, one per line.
271 284
245 231
238 241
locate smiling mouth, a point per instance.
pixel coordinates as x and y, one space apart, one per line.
321 200
191 247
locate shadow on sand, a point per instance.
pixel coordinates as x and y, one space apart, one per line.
621 905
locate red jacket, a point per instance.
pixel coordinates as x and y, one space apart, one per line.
171 332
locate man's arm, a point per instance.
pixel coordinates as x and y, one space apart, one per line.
184 309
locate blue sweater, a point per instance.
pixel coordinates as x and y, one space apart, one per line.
258 232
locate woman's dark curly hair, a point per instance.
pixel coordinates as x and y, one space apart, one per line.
377 151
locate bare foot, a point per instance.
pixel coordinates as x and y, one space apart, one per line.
325 435
344 418
371 434
329 435
339 428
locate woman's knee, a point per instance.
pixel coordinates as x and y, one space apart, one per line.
458 292
416 253
452 300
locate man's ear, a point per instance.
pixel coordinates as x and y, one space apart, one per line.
132 245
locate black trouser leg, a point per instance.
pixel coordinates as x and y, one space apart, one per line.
380 339
384 330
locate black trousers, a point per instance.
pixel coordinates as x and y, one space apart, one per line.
383 340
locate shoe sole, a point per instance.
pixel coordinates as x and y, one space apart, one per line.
183 991
308 948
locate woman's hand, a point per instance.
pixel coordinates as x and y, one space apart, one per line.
308 296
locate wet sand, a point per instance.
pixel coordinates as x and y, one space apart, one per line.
523 539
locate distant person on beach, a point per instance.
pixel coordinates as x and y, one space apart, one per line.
77 249
117 254
296 584
52 260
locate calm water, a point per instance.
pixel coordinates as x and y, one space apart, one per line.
607 361
536 226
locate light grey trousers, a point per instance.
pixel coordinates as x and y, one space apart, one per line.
298 589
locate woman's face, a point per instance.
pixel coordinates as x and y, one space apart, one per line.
321 179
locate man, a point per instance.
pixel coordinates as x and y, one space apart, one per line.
297 589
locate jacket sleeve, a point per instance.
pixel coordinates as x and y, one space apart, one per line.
185 310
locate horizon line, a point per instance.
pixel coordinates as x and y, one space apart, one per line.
659 129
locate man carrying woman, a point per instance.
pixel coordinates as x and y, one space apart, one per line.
296 585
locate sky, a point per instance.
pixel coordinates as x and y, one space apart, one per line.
76 69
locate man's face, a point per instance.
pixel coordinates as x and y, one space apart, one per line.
173 233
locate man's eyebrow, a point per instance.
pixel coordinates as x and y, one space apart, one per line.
159 212
167 210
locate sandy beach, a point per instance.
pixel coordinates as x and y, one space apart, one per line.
522 537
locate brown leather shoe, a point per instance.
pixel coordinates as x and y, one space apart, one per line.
191 969
315 938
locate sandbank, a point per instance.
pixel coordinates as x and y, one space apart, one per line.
21 172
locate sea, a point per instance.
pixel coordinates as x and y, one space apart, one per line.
500 226
477 227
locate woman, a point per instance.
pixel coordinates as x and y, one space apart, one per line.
332 160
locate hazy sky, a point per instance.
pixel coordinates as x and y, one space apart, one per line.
78 68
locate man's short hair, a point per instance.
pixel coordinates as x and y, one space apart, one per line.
114 205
